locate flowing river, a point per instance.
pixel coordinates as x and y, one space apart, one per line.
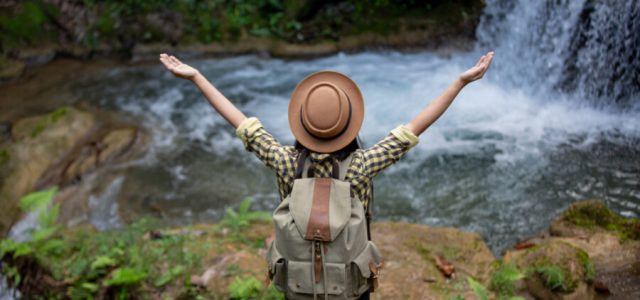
550 124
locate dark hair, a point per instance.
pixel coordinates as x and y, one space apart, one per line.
342 153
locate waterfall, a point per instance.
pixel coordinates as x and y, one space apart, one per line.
586 48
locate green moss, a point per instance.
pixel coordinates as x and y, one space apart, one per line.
595 214
51 118
4 156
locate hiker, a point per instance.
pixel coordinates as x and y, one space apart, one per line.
322 244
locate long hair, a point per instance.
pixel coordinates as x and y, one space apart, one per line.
341 154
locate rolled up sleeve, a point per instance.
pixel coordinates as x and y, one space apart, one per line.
256 139
389 150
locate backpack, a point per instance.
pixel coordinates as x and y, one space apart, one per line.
322 244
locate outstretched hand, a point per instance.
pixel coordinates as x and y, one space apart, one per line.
178 68
477 71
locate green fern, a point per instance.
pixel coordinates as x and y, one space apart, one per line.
478 289
240 220
504 278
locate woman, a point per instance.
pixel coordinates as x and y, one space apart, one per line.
325 115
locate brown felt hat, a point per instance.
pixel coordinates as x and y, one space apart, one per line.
326 111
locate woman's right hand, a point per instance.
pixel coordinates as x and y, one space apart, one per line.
177 67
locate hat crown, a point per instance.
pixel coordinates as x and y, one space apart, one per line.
325 112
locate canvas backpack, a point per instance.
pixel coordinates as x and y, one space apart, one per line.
322 245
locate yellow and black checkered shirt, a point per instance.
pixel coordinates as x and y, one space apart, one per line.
366 163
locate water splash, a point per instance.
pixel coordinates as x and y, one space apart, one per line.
589 49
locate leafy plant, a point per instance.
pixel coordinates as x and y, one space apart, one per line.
126 276
240 220
552 276
478 289
249 287
504 278
169 276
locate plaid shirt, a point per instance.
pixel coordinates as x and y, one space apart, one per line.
366 163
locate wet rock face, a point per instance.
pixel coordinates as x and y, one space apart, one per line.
58 148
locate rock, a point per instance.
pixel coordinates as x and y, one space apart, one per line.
583 218
38 56
10 69
610 243
59 148
556 270
39 142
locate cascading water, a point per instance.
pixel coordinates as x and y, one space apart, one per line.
589 49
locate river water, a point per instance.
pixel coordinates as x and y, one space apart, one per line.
513 150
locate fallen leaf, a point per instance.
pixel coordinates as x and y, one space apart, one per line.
445 267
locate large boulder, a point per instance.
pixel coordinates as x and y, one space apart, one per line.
596 250
58 148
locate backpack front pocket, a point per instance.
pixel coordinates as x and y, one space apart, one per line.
301 279
277 268
361 269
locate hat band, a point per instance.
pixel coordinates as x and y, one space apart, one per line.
327 138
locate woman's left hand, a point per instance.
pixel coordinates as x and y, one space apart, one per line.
477 71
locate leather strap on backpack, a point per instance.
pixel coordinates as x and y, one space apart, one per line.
335 174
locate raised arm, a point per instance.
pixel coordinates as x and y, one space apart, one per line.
219 102
437 107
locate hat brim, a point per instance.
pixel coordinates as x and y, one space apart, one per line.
357 112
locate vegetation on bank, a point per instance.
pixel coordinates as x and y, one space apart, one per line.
146 259
120 24
138 261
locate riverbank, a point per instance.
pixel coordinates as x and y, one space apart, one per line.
587 253
36 32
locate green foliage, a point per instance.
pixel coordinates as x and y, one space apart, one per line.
553 277
123 23
89 262
589 269
478 289
126 276
103 261
236 222
25 25
249 287
503 279
37 201
169 276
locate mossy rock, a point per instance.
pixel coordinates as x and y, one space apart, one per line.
556 270
585 217
39 142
